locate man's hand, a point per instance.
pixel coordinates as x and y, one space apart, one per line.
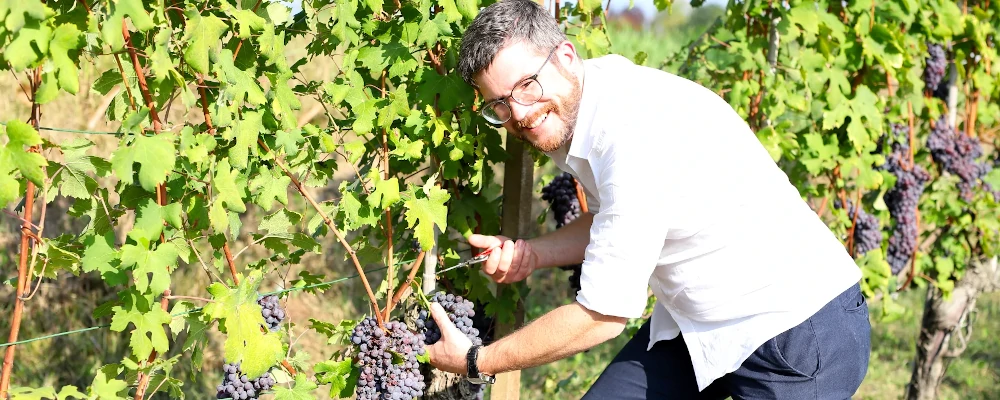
448 354
511 262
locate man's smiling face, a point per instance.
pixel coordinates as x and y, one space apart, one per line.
548 123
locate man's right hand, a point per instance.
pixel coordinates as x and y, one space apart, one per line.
510 262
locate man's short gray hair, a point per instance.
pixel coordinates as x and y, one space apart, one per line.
503 23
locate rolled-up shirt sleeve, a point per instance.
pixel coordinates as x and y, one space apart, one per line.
628 232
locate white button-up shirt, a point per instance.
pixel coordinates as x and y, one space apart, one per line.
688 203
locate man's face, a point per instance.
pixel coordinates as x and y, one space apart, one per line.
548 123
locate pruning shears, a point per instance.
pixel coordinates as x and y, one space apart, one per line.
474 260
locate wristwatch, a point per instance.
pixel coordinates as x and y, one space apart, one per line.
474 375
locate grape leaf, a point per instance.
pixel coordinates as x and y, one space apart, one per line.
150 262
386 192
269 186
111 32
246 20
237 84
149 222
66 38
13 157
99 253
155 155
272 47
284 103
423 213
105 386
453 90
15 20
469 8
74 179
364 115
149 333
302 390
247 131
20 52
202 35
340 375
247 342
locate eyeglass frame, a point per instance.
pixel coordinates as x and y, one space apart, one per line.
503 100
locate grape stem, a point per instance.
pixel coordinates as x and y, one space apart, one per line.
22 268
336 232
409 279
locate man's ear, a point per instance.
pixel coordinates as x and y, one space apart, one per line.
567 55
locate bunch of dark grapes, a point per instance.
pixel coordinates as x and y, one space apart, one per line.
380 377
935 67
867 230
902 200
565 206
460 311
957 154
236 386
271 311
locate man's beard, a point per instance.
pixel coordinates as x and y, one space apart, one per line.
566 110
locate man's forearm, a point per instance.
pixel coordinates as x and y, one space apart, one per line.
566 245
558 334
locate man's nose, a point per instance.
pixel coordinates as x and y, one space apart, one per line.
518 111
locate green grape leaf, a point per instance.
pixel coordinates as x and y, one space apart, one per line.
155 155
18 9
284 103
394 56
229 196
248 341
105 386
111 32
355 150
99 253
13 157
301 391
74 179
202 35
149 334
423 213
149 222
278 13
339 375
272 47
65 39
247 131
269 186
453 90
150 262
386 191
196 147
21 53
237 84
364 115
468 8
246 20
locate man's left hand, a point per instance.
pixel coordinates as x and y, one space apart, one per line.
448 354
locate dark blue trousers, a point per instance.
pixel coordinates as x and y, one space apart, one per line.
824 357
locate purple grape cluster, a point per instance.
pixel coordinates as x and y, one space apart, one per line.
460 311
235 384
902 200
271 310
935 67
957 154
560 193
867 230
381 377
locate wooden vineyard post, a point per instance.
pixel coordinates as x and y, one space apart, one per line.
515 223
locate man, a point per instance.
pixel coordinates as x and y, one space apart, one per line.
755 297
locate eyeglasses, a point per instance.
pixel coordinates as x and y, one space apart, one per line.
525 92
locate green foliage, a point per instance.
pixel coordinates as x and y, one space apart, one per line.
840 77
398 120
